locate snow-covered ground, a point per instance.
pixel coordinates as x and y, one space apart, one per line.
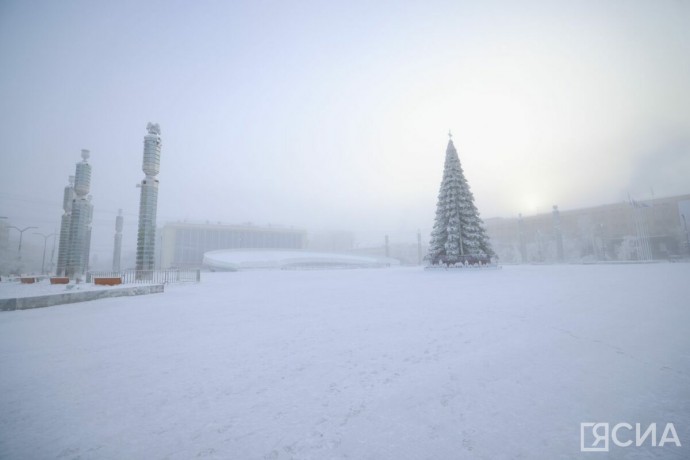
362 364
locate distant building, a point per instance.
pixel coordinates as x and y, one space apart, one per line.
331 241
634 230
184 244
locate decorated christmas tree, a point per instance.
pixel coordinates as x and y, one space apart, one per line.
458 235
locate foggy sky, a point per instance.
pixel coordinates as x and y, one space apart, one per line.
334 115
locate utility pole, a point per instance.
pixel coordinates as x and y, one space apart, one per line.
521 238
45 243
117 250
21 235
558 234
687 237
4 240
419 247
52 254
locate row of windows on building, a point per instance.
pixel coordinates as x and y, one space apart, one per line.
610 232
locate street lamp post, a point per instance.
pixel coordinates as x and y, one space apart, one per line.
21 235
45 243
687 237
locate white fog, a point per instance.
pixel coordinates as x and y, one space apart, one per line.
385 230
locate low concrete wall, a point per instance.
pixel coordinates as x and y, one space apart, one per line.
25 303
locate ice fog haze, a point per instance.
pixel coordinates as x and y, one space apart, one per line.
335 114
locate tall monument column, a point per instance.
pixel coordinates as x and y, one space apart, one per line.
67 198
117 250
146 237
80 221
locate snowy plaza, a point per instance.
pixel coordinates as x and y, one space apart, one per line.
396 363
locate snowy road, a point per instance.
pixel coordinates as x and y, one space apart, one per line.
361 364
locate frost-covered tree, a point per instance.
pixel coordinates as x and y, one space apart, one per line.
458 233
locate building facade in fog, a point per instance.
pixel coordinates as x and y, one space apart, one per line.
183 244
331 241
634 230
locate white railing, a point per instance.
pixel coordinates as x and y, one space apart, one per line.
149 276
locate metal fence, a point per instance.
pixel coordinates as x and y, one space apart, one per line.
149 276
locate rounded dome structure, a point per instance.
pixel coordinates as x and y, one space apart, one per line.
233 260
